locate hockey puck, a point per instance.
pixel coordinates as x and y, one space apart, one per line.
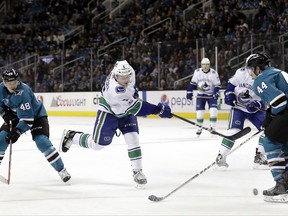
255 191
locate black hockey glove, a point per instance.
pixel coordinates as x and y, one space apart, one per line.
8 115
13 135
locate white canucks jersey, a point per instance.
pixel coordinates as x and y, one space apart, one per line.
243 91
116 99
205 82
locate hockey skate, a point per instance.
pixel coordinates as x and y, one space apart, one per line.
198 132
66 140
139 178
278 193
64 175
221 163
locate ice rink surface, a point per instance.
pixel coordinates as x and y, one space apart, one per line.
102 181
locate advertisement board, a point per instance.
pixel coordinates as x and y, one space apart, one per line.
86 103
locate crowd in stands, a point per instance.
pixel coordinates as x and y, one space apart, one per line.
42 27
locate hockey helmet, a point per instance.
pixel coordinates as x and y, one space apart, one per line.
122 72
10 79
205 64
260 60
9 75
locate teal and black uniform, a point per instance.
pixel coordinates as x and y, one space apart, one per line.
27 113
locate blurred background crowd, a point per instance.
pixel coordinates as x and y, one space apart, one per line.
69 45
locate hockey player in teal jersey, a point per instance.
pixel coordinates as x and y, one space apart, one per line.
118 107
19 105
271 85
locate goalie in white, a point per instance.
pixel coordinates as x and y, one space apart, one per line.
118 107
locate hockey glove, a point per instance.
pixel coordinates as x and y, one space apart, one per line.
8 116
189 95
216 93
191 87
13 135
230 98
253 106
215 96
136 94
165 111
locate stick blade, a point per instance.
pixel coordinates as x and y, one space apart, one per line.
4 180
154 198
240 134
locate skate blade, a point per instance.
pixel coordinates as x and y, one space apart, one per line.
260 167
283 198
220 168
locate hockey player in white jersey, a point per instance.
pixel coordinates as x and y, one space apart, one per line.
206 81
245 104
118 107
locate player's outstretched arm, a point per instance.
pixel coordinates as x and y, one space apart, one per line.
163 110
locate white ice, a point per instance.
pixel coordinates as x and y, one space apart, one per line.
102 181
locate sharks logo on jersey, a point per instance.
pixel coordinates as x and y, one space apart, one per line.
19 92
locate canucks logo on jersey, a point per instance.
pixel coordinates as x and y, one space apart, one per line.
204 87
244 97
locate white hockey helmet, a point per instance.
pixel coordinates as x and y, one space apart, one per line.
205 64
122 72
122 68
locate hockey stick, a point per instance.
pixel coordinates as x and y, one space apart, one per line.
155 198
233 137
10 155
205 97
3 179
244 106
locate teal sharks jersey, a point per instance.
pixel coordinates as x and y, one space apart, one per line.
271 85
24 103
